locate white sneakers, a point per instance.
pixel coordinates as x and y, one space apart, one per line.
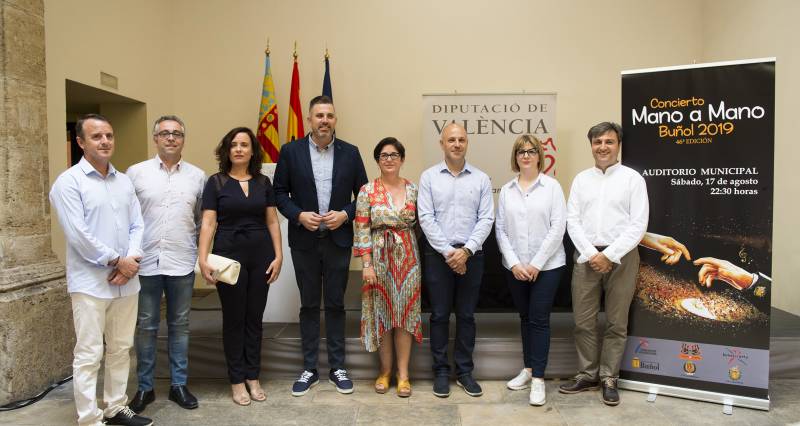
522 381
537 392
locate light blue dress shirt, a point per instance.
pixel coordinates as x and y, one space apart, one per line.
322 165
455 208
102 220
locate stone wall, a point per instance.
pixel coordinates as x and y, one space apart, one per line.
36 332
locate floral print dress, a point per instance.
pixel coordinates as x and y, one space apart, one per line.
388 235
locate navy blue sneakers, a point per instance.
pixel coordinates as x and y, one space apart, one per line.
470 386
307 380
339 379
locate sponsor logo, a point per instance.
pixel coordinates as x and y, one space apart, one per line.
735 356
690 351
645 365
734 373
689 368
643 348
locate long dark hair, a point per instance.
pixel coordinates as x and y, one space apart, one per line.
223 152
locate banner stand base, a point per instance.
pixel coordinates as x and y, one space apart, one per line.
720 398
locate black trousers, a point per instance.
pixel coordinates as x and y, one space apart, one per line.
322 272
243 304
450 292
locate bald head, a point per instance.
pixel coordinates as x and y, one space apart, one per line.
454 145
450 127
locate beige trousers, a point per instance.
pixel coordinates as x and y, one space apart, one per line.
600 359
95 319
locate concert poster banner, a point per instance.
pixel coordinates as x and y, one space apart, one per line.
703 138
493 122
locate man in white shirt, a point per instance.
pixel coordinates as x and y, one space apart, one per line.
102 222
169 190
607 215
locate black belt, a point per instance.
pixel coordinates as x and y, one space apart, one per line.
458 245
600 248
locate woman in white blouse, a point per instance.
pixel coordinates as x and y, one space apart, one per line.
531 220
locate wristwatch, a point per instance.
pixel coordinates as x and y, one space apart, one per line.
469 252
366 264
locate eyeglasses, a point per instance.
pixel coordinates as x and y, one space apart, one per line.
165 134
386 157
527 152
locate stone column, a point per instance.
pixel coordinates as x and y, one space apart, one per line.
36 332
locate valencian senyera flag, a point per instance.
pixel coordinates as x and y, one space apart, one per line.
326 81
268 118
295 123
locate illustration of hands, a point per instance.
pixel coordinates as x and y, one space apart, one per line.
723 270
670 249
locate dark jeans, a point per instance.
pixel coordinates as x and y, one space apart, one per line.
449 291
178 291
534 301
322 271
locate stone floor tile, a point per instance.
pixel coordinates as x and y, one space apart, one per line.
229 414
631 410
445 414
509 414
685 411
44 413
493 392
363 394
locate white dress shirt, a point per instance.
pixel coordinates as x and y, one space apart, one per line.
607 210
170 202
102 220
530 224
455 209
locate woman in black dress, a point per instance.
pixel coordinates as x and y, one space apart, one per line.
239 205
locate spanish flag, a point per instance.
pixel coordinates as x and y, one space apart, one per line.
268 118
295 123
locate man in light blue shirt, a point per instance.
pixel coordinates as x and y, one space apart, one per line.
456 212
102 222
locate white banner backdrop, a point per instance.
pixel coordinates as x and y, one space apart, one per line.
493 122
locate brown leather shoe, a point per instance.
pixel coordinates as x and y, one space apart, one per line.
610 393
578 384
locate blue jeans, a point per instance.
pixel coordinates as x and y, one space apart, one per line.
449 292
178 291
534 301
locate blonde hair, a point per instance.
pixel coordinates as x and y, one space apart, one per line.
519 143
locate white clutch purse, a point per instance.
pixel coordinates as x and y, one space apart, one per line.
225 270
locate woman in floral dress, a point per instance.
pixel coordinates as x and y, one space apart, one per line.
385 240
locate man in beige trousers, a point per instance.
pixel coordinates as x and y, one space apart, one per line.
607 216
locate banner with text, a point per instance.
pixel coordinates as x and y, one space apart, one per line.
493 122
703 138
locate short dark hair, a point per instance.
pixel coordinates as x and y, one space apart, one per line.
389 141
321 99
92 116
223 152
606 126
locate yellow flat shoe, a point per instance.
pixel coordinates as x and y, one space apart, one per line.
403 388
382 383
